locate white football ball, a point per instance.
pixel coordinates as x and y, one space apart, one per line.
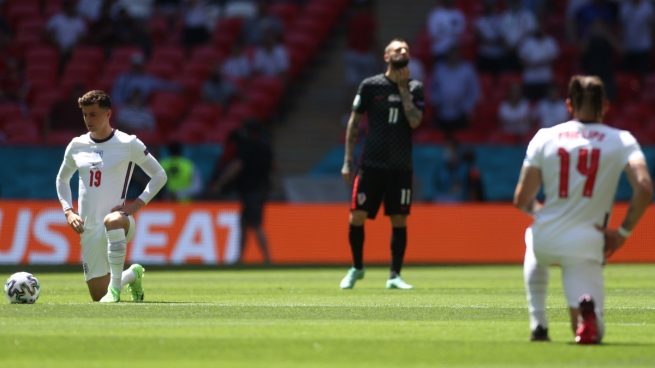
22 288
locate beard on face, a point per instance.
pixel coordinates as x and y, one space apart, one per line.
399 64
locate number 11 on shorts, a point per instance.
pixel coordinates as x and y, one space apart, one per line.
405 197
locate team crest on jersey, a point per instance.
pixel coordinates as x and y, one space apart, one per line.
361 198
394 98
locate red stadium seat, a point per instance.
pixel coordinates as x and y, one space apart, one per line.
18 11
161 69
123 54
208 55
192 131
197 69
286 12
168 108
42 54
9 111
241 111
22 131
88 54
207 112
173 55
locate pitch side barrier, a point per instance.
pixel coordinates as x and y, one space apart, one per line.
35 232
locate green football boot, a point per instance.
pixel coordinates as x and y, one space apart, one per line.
113 296
136 287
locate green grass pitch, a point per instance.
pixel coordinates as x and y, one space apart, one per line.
467 316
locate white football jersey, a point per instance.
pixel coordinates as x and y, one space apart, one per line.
580 166
105 168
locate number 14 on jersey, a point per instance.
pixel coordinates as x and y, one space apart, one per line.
587 166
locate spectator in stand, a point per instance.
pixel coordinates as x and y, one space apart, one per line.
637 25
101 30
516 23
514 113
445 25
135 115
572 7
137 79
130 31
237 66
491 48
591 12
65 114
598 47
416 70
168 7
551 110
537 7
271 57
262 22
537 53
184 179
457 179
454 92
218 90
65 29
197 23
13 87
90 9
360 57
140 10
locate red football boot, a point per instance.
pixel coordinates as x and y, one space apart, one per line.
587 332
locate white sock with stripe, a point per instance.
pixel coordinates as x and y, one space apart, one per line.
116 250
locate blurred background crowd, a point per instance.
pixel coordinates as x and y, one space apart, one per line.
188 77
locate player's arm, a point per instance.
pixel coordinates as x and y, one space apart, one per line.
527 188
413 114
158 178
62 183
642 194
352 132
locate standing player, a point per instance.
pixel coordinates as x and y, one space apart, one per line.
394 105
105 158
579 163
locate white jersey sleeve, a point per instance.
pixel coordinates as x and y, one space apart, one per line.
62 182
150 165
633 150
534 153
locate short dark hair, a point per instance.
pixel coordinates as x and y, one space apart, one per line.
395 39
95 97
587 90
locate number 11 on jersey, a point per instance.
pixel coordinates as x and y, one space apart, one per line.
393 115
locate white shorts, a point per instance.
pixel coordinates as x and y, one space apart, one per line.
94 250
579 275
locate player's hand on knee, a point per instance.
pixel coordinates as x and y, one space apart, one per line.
75 222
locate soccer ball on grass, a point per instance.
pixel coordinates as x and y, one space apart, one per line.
22 288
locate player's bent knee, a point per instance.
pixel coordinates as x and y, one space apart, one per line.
115 220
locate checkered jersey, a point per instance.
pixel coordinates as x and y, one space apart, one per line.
388 142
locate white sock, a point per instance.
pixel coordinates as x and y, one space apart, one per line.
128 276
536 285
116 249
